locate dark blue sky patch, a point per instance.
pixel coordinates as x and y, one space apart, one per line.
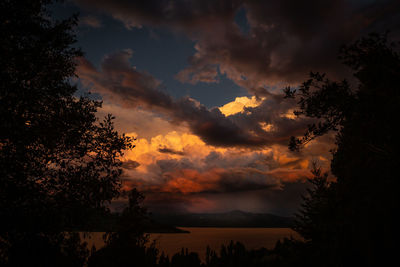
157 51
241 21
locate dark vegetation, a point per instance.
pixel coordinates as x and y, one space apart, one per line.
59 164
351 222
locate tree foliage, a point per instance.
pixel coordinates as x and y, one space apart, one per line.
59 164
315 212
127 244
329 101
353 214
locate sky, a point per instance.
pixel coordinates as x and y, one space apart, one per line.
199 85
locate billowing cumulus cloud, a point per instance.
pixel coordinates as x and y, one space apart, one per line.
180 164
239 105
235 156
119 82
191 157
206 178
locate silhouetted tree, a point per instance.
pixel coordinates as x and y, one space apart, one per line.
163 260
127 244
184 258
58 164
317 221
363 201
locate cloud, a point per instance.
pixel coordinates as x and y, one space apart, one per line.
205 178
183 166
239 105
217 180
285 201
144 123
290 175
284 43
177 13
130 164
121 83
90 21
203 73
235 156
170 151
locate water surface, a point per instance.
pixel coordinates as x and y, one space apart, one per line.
198 238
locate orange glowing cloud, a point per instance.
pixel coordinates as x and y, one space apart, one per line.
288 175
171 164
182 162
191 181
239 105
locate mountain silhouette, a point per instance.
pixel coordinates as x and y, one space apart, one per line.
235 218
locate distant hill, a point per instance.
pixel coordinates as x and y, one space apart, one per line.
229 219
156 227
109 223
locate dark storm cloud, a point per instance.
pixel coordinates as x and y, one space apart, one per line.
168 165
220 181
186 184
178 13
90 21
219 174
217 181
287 39
244 179
305 36
123 84
118 80
285 201
170 151
130 164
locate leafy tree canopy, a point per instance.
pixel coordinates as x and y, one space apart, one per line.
346 222
59 164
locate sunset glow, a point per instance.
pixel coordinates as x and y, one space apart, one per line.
200 88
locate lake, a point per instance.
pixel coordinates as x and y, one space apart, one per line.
198 238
